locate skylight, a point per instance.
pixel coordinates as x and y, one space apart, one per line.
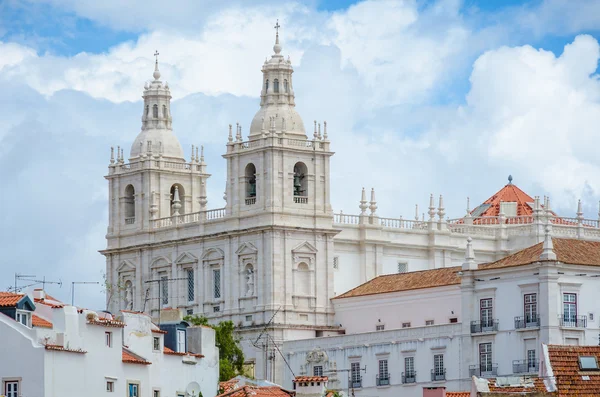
588 363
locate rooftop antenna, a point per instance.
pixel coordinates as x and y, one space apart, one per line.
159 281
73 288
34 282
265 347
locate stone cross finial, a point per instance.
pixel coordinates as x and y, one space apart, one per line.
548 253
156 71
469 263
277 46
277 26
156 54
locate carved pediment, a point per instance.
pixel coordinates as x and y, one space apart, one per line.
247 249
160 261
186 257
213 253
126 266
304 248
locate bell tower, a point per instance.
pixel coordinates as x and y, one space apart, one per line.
157 185
278 169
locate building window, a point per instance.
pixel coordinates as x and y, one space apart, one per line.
155 111
133 390
276 85
11 388
129 202
438 366
336 263
110 386
249 318
156 345
355 375
181 341
300 183
429 322
379 327
402 267
570 308
250 174
485 357
24 318
318 370
216 309
155 393
486 313
217 283
164 289
453 320
405 325
190 285
108 339
531 361
530 302
383 370
409 366
189 312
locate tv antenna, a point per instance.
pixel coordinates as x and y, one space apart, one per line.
28 278
350 384
159 281
265 346
73 288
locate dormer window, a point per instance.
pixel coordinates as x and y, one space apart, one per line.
24 318
276 85
155 111
588 363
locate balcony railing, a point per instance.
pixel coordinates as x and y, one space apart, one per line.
525 366
478 327
300 199
573 321
529 321
485 371
383 380
409 377
437 375
130 220
250 200
356 383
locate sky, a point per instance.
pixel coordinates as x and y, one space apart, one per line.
420 97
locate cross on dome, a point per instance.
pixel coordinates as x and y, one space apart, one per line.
156 71
277 46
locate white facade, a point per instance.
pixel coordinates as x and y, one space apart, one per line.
84 353
546 301
276 253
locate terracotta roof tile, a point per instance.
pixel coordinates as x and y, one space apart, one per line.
130 358
64 349
569 378
39 322
159 331
571 251
229 385
406 281
51 304
509 193
262 391
458 394
536 384
10 299
107 323
167 350
310 379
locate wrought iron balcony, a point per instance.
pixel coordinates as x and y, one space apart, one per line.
356 383
250 200
383 380
478 327
437 375
528 321
409 377
485 371
573 321
525 366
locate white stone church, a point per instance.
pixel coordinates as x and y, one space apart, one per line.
273 258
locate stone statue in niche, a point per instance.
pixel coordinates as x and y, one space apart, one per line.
249 281
128 300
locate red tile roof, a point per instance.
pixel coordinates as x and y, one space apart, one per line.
509 193
51 304
406 281
458 394
130 358
258 391
166 350
10 299
159 331
39 322
107 323
310 379
571 251
64 349
570 380
535 386
229 385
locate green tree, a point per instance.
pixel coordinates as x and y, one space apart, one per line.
231 356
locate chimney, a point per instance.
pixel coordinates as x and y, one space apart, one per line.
434 392
39 293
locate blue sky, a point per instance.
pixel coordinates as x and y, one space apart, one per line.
439 96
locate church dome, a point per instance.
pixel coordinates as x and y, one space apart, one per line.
293 121
156 137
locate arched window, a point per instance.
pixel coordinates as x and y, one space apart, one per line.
285 86
249 279
267 86
177 200
250 174
300 181
147 110
276 85
155 111
129 209
303 279
165 111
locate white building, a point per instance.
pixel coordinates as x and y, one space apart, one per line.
276 254
50 349
440 327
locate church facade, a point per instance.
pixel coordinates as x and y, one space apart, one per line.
273 258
